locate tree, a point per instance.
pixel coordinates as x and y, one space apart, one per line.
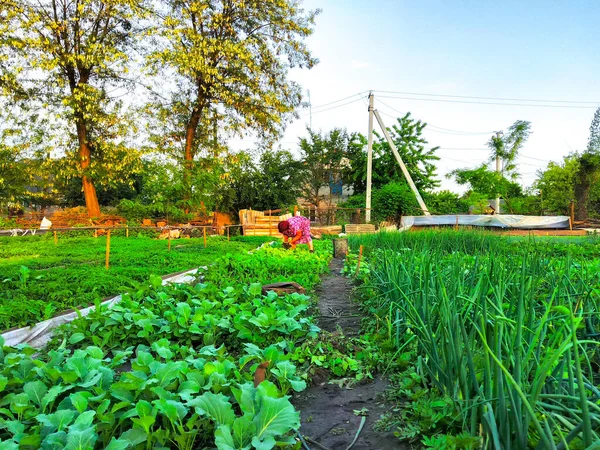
322 156
64 57
557 184
589 169
506 146
594 139
407 136
230 60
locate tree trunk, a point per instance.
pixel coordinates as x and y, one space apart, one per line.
190 136
582 195
89 191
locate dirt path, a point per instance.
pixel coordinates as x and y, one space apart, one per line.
327 410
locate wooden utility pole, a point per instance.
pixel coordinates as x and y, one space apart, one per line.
409 179
498 170
369 159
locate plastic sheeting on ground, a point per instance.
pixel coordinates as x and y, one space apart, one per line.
39 335
497 221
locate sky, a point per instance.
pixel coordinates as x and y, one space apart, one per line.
546 51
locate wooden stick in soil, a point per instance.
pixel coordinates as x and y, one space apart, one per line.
227 233
107 248
204 230
360 252
126 230
313 442
55 238
169 230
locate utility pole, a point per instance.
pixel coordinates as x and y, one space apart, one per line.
369 159
498 170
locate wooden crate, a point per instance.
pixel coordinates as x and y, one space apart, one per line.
365 228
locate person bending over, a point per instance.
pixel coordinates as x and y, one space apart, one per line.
296 230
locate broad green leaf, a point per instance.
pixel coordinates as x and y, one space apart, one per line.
80 400
175 411
85 419
244 395
215 406
58 420
162 347
55 441
81 439
144 408
53 393
3 382
117 444
35 390
237 437
95 352
263 444
276 417
8 445
76 337
134 436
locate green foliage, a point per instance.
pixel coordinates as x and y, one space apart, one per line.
494 321
445 202
72 273
65 59
594 138
406 134
323 161
486 182
392 201
506 146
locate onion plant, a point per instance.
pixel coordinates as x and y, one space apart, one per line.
505 329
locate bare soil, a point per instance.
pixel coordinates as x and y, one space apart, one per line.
327 409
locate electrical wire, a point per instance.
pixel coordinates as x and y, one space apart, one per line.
442 130
492 98
340 100
304 114
488 103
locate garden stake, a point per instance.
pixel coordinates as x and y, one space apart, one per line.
227 233
313 442
204 230
359 258
107 248
55 238
169 239
126 230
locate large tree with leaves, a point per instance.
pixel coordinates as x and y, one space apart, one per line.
588 173
64 57
229 60
322 156
407 135
506 146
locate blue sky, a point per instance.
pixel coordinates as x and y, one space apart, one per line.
511 49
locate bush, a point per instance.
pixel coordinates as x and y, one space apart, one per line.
393 201
445 202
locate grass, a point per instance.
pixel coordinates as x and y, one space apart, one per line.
505 328
40 279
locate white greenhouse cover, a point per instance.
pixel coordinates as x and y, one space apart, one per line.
39 335
498 221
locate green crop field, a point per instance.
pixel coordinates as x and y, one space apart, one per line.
40 279
498 337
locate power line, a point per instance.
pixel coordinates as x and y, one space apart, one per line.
330 108
340 100
493 98
488 103
444 130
